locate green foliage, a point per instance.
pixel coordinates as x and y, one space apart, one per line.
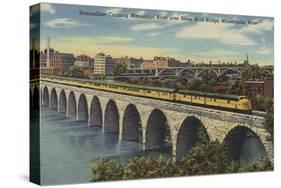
261 165
209 158
202 135
148 167
206 158
76 72
107 170
261 103
239 88
119 69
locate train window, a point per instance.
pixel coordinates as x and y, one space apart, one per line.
148 91
228 101
195 97
215 100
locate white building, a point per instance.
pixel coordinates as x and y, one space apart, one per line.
104 64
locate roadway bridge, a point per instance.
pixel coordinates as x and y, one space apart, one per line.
156 123
195 71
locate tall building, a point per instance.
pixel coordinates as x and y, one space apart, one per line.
104 64
49 58
61 61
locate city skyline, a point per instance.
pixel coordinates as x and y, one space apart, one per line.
183 40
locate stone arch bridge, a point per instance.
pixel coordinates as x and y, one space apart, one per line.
154 123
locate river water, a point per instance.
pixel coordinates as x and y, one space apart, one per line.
69 148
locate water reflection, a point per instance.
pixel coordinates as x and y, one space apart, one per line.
69 147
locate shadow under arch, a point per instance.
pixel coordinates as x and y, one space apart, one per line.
45 101
54 99
82 108
71 106
111 117
132 128
191 133
158 131
208 72
95 113
230 71
187 73
62 103
244 146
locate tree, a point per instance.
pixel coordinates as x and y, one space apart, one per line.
261 165
76 72
239 88
210 158
119 69
148 167
104 170
252 72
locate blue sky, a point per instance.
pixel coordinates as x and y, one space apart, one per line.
198 41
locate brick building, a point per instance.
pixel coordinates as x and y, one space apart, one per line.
264 88
61 61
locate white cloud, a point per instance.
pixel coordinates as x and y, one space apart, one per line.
178 14
259 28
163 13
221 32
141 12
149 26
264 51
112 39
114 10
63 23
153 34
45 7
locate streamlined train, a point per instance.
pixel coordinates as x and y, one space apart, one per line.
233 103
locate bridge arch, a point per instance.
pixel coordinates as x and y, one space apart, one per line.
62 102
54 99
111 117
212 72
82 108
267 71
191 133
45 97
231 70
132 128
35 98
95 113
244 146
187 73
71 106
158 134
167 72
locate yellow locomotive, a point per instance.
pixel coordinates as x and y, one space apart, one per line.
211 100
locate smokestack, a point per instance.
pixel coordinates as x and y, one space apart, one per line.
48 53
